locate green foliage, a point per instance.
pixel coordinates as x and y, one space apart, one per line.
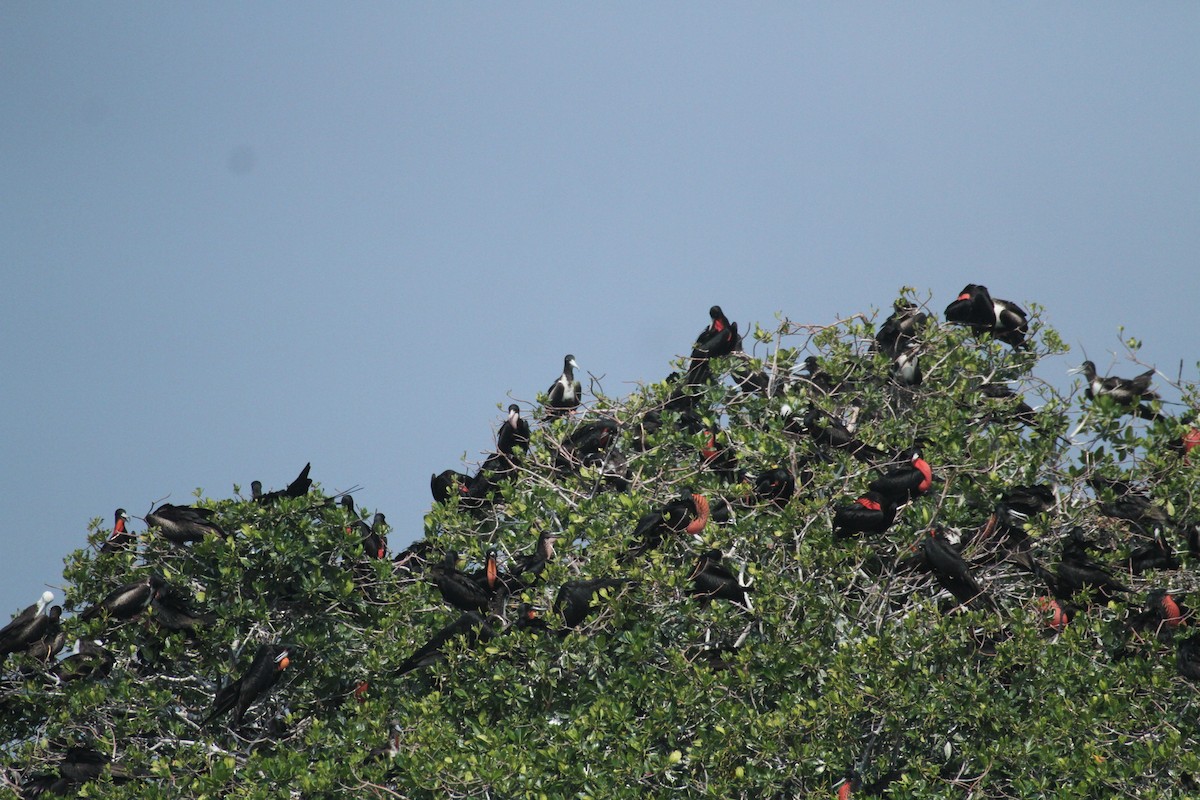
658 694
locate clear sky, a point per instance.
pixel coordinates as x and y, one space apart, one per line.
236 237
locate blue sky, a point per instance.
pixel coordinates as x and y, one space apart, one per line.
240 237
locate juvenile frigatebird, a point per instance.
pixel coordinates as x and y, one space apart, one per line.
1125 391
565 393
900 329
27 627
514 432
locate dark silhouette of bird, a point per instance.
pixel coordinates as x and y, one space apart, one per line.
952 572
470 627
1156 553
590 439
1018 410
182 524
414 558
686 513
28 626
907 482
1187 657
458 588
1125 391
829 432
263 673
173 609
718 456
574 600
121 537
87 659
1027 501
871 513
720 338
536 561
565 394
1163 614
906 368
1131 505
712 579
1077 572
297 488
43 649
818 378
1003 319
901 329
449 483
514 432
528 619
776 485
492 580
126 602
373 536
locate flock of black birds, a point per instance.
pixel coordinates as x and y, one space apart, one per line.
481 594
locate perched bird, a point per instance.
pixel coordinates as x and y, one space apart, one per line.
1188 657
470 627
1125 391
564 394
1057 615
712 579
1162 615
901 329
391 749
975 307
574 600
514 432
1156 553
590 439
906 368
458 588
42 650
719 456
181 524
264 672
687 513
126 602
375 542
952 572
297 488
1019 410
871 513
449 483
535 562
720 338
1077 572
27 626
775 485
173 610
827 431
87 659
907 482
121 537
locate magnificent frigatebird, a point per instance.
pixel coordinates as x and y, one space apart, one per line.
871 513
565 393
712 579
1125 391
574 600
976 307
827 431
1164 612
514 432
458 588
87 658
952 572
907 482
265 670
686 513
720 338
120 537
126 602
181 524
775 485
448 483
901 329
297 488
470 626
173 610
26 627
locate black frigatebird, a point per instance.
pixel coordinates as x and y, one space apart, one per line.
565 393
264 672
121 537
976 308
181 524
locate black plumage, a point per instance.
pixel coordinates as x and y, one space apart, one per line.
776 486
907 482
901 329
449 483
126 602
952 572
1125 391
514 432
263 673
565 394
832 433
182 524
470 626
1003 319
574 600
458 588
711 579
871 513
297 488
121 537
26 626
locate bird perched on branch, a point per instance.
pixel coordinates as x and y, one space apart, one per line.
1124 391
264 672
297 488
564 394
470 626
126 602
720 338
1003 319
907 482
182 524
513 433
121 537
574 600
28 626
871 513
712 579
687 513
